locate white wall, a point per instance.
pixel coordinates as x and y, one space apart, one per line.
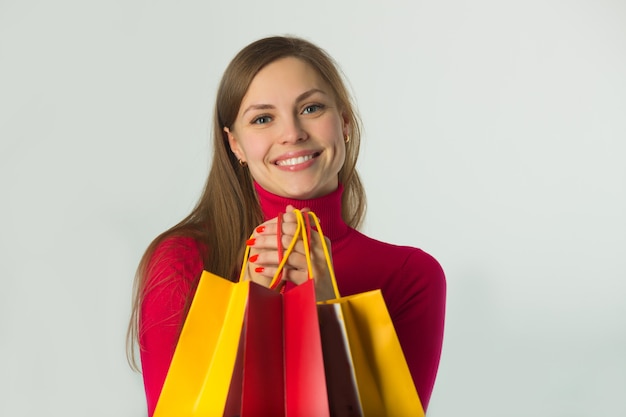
495 140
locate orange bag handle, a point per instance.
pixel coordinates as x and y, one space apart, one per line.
329 262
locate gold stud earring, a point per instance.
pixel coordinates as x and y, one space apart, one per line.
243 163
347 138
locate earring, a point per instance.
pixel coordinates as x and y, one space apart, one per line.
243 163
347 138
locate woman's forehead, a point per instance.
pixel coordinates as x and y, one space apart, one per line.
284 81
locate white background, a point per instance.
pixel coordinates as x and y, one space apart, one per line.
495 139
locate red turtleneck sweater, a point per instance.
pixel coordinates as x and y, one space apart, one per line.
412 283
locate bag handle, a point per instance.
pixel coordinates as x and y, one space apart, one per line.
303 229
306 238
279 245
300 232
277 282
329 263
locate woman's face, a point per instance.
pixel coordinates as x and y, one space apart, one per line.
290 132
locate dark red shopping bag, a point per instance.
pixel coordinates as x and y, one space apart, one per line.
280 366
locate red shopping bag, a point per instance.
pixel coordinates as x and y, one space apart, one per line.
279 369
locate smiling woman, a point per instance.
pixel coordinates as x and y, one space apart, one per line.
285 136
290 131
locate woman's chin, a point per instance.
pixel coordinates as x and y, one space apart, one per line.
304 192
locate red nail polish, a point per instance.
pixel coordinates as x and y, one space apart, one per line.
259 269
260 229
253 258
250 242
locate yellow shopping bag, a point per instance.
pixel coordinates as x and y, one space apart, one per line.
380 372
199 376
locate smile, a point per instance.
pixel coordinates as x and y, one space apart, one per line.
296 160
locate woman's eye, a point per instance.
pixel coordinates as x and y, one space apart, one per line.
312 108
261 120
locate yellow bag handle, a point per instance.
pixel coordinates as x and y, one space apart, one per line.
331 270
301 230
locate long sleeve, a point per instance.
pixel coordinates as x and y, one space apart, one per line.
172 274
417 308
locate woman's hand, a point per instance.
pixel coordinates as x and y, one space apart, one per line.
264 259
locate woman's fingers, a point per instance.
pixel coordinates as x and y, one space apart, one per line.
265 259
263 267
266 237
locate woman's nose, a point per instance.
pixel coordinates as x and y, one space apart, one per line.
293 131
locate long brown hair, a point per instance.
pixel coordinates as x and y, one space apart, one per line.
228 209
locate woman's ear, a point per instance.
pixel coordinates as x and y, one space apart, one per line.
234 145
346 124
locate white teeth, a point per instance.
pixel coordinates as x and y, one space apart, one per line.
294 161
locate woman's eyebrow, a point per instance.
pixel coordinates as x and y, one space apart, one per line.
300 98
309 93
258 107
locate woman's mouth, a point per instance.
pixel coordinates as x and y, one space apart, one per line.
296 160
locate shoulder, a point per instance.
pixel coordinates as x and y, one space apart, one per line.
176 256
423 261
407 264
176 247
402 255
365 263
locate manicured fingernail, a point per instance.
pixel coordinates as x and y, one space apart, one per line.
259 269
260 229
250 242
253 258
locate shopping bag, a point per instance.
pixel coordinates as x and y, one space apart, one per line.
280 367
280 371
198 380
366 370
383 379
259 370
343 394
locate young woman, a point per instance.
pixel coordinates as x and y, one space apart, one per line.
286 136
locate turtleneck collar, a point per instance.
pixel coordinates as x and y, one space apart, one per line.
327 208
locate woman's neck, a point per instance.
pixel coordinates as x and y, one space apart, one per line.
327 208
